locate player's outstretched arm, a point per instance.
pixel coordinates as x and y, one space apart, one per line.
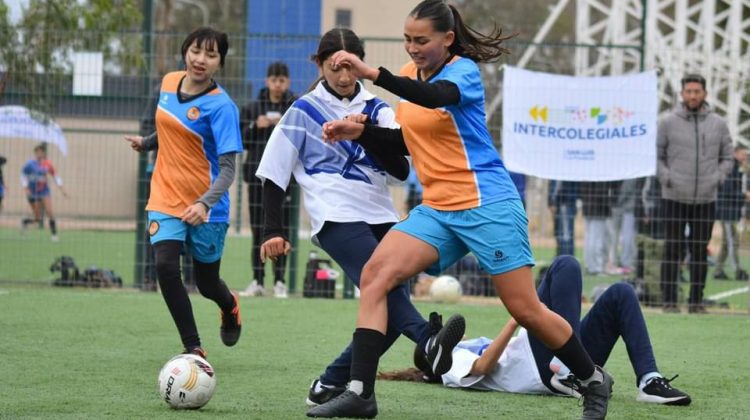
488 360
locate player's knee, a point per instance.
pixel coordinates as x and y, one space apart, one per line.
621 291
526 316
377 277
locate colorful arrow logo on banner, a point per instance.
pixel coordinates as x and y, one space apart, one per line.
539 113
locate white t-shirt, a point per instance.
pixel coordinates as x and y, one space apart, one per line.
515 371
340 182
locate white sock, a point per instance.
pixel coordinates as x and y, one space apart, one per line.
647 378
564 371
356 387
596 377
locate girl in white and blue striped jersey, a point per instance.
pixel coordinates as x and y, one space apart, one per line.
344 186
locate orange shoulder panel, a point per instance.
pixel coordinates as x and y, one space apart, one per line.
409 70
171 80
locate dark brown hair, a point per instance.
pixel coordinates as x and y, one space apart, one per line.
468 43
277 69
208 38
693 78
338 39
408 375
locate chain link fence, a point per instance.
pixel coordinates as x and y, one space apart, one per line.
101 221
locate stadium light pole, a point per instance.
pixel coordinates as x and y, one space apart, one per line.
644 11
140 218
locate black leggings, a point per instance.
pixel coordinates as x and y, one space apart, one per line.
255 200
167 256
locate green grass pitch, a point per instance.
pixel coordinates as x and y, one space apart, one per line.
76 353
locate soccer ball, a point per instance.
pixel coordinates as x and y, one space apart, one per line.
187 381
445 289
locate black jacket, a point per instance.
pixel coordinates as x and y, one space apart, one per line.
598 197
731 198
254 139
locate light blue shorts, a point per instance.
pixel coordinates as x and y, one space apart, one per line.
497 235
205 241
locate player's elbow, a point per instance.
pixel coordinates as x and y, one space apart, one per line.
481 367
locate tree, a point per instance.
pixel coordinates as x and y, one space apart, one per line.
35 53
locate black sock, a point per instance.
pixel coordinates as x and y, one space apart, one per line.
53 226
28 221
211 286
279 267
367 345
167 257
575 357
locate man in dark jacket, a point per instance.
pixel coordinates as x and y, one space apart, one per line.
694 152
561 200
257 121
597 199
728 213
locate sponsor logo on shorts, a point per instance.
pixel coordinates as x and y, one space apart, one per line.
500 255
193 113
153 227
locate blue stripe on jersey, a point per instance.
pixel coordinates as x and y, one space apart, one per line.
372 108
492 179
317 157
310 110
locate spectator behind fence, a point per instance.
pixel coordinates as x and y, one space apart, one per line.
561 200
621 230
257 121
597 199
34 180
694 152
2 181
731 200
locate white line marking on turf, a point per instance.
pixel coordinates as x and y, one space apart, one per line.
729 293
4 292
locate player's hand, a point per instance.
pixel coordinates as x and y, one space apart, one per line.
274 248
195 214
357 118
64 193
338 130
263 122
136 142
359 68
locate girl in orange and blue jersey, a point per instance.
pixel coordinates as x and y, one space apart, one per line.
198 137
469 204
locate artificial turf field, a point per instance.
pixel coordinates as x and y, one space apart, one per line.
77 353
85 353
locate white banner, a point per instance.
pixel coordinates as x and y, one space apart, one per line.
21 123
579 128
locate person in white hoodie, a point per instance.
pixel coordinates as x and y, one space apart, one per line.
695 155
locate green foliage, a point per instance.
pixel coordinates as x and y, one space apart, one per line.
35 51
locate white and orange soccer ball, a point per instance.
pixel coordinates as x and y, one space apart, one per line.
187 381
445 289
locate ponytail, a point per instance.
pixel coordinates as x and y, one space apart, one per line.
469 43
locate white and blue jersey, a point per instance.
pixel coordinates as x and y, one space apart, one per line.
341 182
515 371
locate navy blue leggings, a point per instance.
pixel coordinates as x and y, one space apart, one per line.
351 245
615 314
